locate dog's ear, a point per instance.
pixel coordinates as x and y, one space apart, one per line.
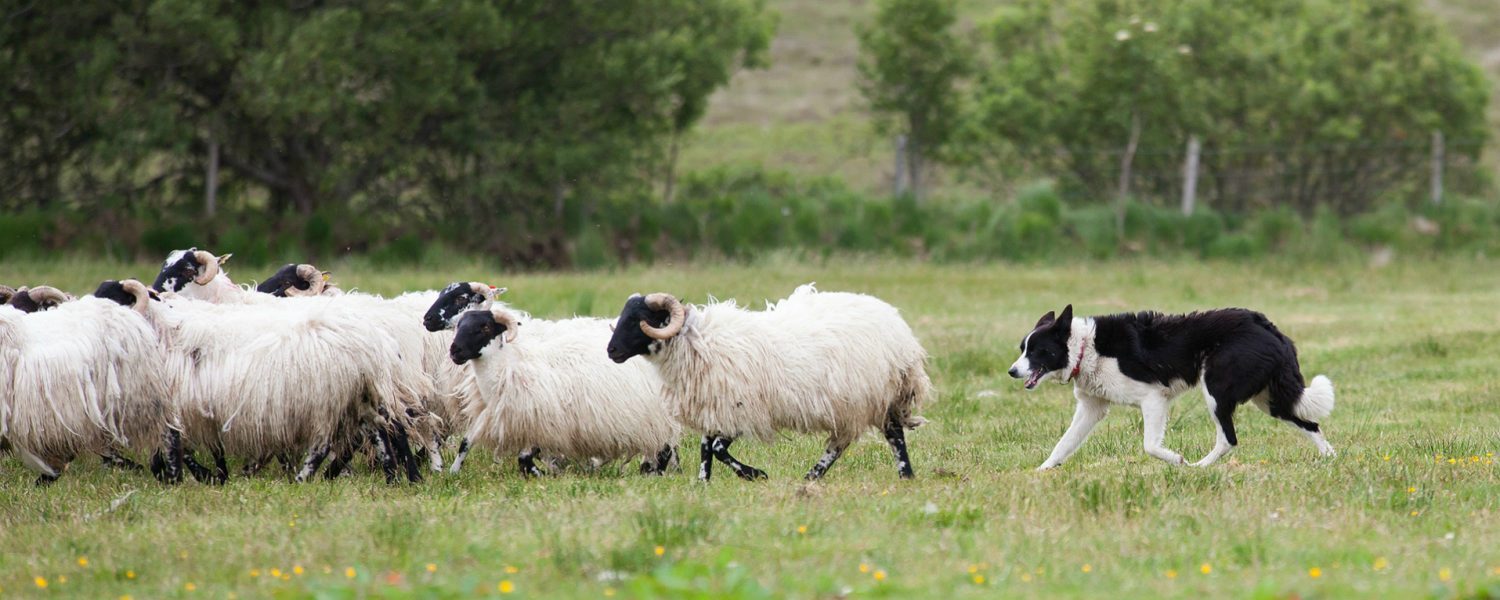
1067 315
1047 319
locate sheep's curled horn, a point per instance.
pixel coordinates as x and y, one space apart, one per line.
141 293
316 281
6 292
47 295
508 321
670 303
210 267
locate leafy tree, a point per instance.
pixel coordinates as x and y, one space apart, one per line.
1296 101
500 113
911 63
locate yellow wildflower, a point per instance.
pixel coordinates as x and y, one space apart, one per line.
1205 568
660 550
40 582
507 587
431 568
1381 563
189 586
1088 568
1314 572
83 561
349 572
1171 573
879 575
511 570
1445 574
978 580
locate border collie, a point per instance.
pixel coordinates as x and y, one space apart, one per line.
1147 359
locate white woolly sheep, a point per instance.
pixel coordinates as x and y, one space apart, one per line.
549 390
85 376
405 317
198 274
835 363
301 375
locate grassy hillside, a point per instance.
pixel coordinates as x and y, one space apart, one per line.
804 113
1410 507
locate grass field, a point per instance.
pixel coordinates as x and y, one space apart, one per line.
1410 507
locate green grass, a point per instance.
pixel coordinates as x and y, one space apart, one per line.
1411 348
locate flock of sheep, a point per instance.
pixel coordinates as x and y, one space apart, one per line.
193 370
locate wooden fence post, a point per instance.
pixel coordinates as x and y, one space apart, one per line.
901 177
1437 167
1190 176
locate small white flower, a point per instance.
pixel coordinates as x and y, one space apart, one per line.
929 509
1122 35
1150 27
1184 50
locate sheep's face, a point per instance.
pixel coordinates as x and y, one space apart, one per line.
285 278
453 301
628 339
477 331
180 269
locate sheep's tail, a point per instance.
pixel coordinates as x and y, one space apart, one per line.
1316 402
914 392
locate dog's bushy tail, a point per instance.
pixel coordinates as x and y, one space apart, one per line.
1316 402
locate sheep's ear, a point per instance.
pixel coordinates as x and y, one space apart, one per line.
327 275
495 292
224 258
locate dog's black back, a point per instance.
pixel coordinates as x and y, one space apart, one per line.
1160 348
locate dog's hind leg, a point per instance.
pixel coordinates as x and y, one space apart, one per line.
1225 440
1312 431
1086 416
1155 410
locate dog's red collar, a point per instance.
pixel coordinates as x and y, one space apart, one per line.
1078 366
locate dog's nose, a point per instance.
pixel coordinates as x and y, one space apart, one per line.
1014 373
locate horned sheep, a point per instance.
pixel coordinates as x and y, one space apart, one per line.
816 362
548 389
85 376
198 274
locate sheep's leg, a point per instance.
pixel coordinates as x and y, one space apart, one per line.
313 461
166 464
111 459
198 471
527 461
401 446
463 452
221 466
383 454
705 458
831 454
434 454
659 464
46 471
895 435
720 447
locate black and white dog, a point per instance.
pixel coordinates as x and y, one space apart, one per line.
1147 359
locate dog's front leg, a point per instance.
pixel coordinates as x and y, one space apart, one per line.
1154 410
1089 411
